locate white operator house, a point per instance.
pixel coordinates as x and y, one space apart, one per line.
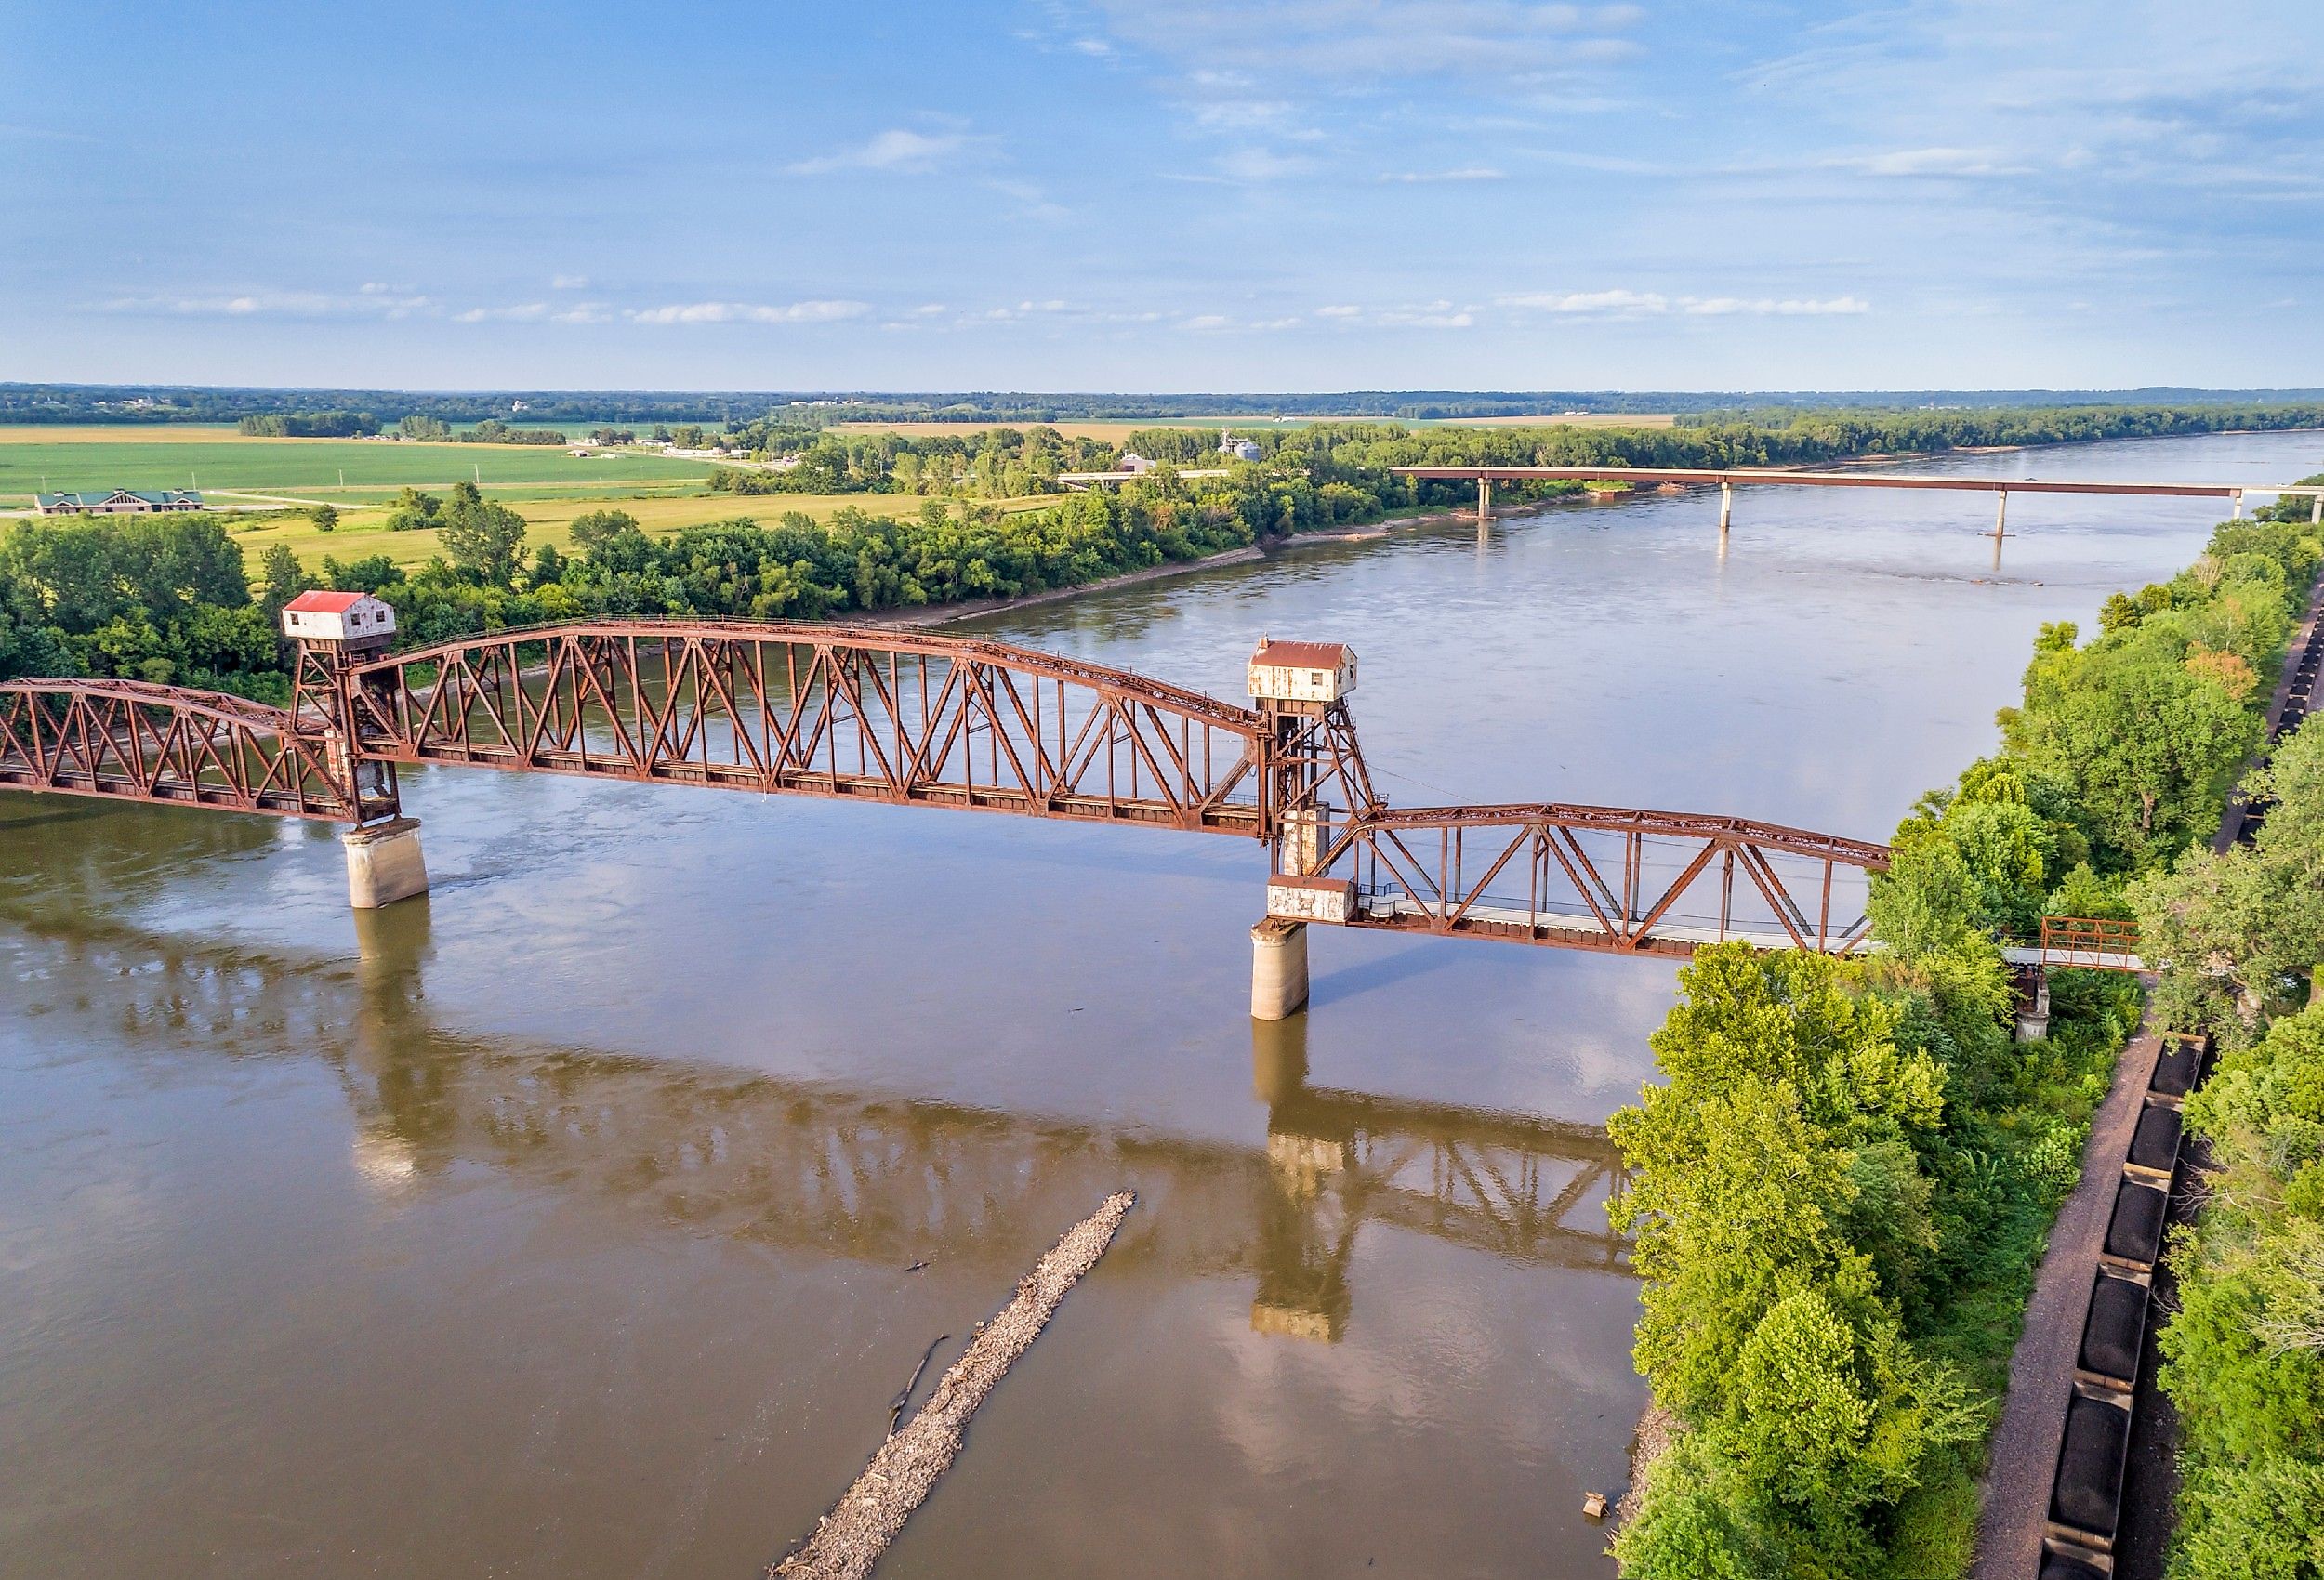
337 617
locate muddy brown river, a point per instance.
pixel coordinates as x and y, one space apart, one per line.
559 1225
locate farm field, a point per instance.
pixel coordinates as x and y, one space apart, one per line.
1114 432
1582 419
361 533
338 470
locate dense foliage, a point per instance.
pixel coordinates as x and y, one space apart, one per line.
2240 937
2244 1353
310 425
148 597
492 431
1844 1190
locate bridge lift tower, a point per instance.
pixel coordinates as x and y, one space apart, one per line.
336 631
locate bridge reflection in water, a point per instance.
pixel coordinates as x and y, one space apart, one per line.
866 1176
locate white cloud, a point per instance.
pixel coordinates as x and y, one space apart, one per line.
899 149
1623 303
1421 315
1791 307
568 282
1616 303
749 312
537 313
371 300
1933 162
1467 173
1206 320
1033 202
1255 166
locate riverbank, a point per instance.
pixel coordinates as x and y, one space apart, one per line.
1966 1191
950 613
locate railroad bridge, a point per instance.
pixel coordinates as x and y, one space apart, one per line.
909 718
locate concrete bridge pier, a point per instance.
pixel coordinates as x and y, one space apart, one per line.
384 864
1485 500
1726 509
1278 969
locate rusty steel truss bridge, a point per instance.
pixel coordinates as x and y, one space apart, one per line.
909 718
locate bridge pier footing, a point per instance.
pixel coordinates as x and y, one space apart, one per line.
2033 1009
1278 969
384 863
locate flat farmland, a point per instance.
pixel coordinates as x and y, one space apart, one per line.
60 460
1114 432
361 532
1579 419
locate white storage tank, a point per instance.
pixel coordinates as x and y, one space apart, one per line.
1301 672
337 617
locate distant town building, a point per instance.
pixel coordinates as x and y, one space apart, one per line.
120 502
1241 449
1133 462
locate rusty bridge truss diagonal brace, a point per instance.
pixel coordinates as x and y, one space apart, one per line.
849 713
129 740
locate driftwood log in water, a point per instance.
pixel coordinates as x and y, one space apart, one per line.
849 1540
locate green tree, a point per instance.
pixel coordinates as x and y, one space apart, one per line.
2145 744
594 529
480 537
284 578
325 518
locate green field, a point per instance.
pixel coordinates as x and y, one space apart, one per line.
360 533
340 470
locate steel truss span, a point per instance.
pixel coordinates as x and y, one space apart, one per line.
130 740
823 710
905 717
1606 879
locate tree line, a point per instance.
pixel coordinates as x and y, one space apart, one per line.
1844 1190
2238 937
1010 462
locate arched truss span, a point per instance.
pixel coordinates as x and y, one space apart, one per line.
852 712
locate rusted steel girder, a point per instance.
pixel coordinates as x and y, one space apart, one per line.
848 712
130 740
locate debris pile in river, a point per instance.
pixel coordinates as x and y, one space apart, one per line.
849 1540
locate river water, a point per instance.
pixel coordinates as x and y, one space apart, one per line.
560 1224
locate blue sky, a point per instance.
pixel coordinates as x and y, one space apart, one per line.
1166 194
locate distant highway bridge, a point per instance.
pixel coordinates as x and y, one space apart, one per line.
1729 478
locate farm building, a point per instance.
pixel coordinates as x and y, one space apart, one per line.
338 617
1133 462
1241 449
120 502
